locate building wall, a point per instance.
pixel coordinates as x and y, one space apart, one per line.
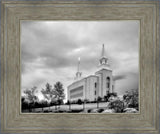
91 81
103 88
113 85
99 84
76 90
107 74
85 88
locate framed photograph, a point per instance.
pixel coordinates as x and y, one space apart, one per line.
106 89
80 66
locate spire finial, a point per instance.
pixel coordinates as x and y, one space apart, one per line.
103 52
78 63
78 73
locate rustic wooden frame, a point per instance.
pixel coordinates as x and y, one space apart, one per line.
147 121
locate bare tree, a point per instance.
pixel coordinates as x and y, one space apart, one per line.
31 95
59 92
48 93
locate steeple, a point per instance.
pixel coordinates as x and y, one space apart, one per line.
78 73
103 61
103 51
79 59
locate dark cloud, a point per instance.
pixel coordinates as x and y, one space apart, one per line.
119 77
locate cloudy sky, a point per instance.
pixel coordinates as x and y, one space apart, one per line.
50 50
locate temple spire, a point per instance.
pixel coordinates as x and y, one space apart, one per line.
78 73
103 61
103 51
79 59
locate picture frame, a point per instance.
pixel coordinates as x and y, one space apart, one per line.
147 121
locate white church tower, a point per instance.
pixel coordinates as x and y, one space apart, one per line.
105 82
103 61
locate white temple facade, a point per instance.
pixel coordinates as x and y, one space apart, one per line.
92 86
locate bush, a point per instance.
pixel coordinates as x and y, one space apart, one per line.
117 105
131 99
73 102
68 102
114 94
79 101
99 99
106 98
53 103
100 110
89 110
46 111
76 110
92 101
60 102
25 105
86 101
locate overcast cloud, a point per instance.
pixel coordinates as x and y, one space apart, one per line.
50 49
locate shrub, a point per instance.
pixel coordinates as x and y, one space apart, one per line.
86 101
25 105
73 102
100 110
46 111
76 110
106 98
60 102
99 99
79 101
68 102
117 105
53 103
113 94
131 99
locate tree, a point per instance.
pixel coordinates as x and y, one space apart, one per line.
131 98
48 93
114 94
59 92
54 102
31 96
117 105
106 98
43 104
24 103
69 103
79 101
99 99
22 99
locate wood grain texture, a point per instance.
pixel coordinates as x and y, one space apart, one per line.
13 12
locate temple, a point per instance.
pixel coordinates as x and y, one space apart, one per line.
92 86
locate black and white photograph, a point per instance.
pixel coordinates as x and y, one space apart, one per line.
80 66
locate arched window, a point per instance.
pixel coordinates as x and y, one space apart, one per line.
95 92
95 84
107 82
